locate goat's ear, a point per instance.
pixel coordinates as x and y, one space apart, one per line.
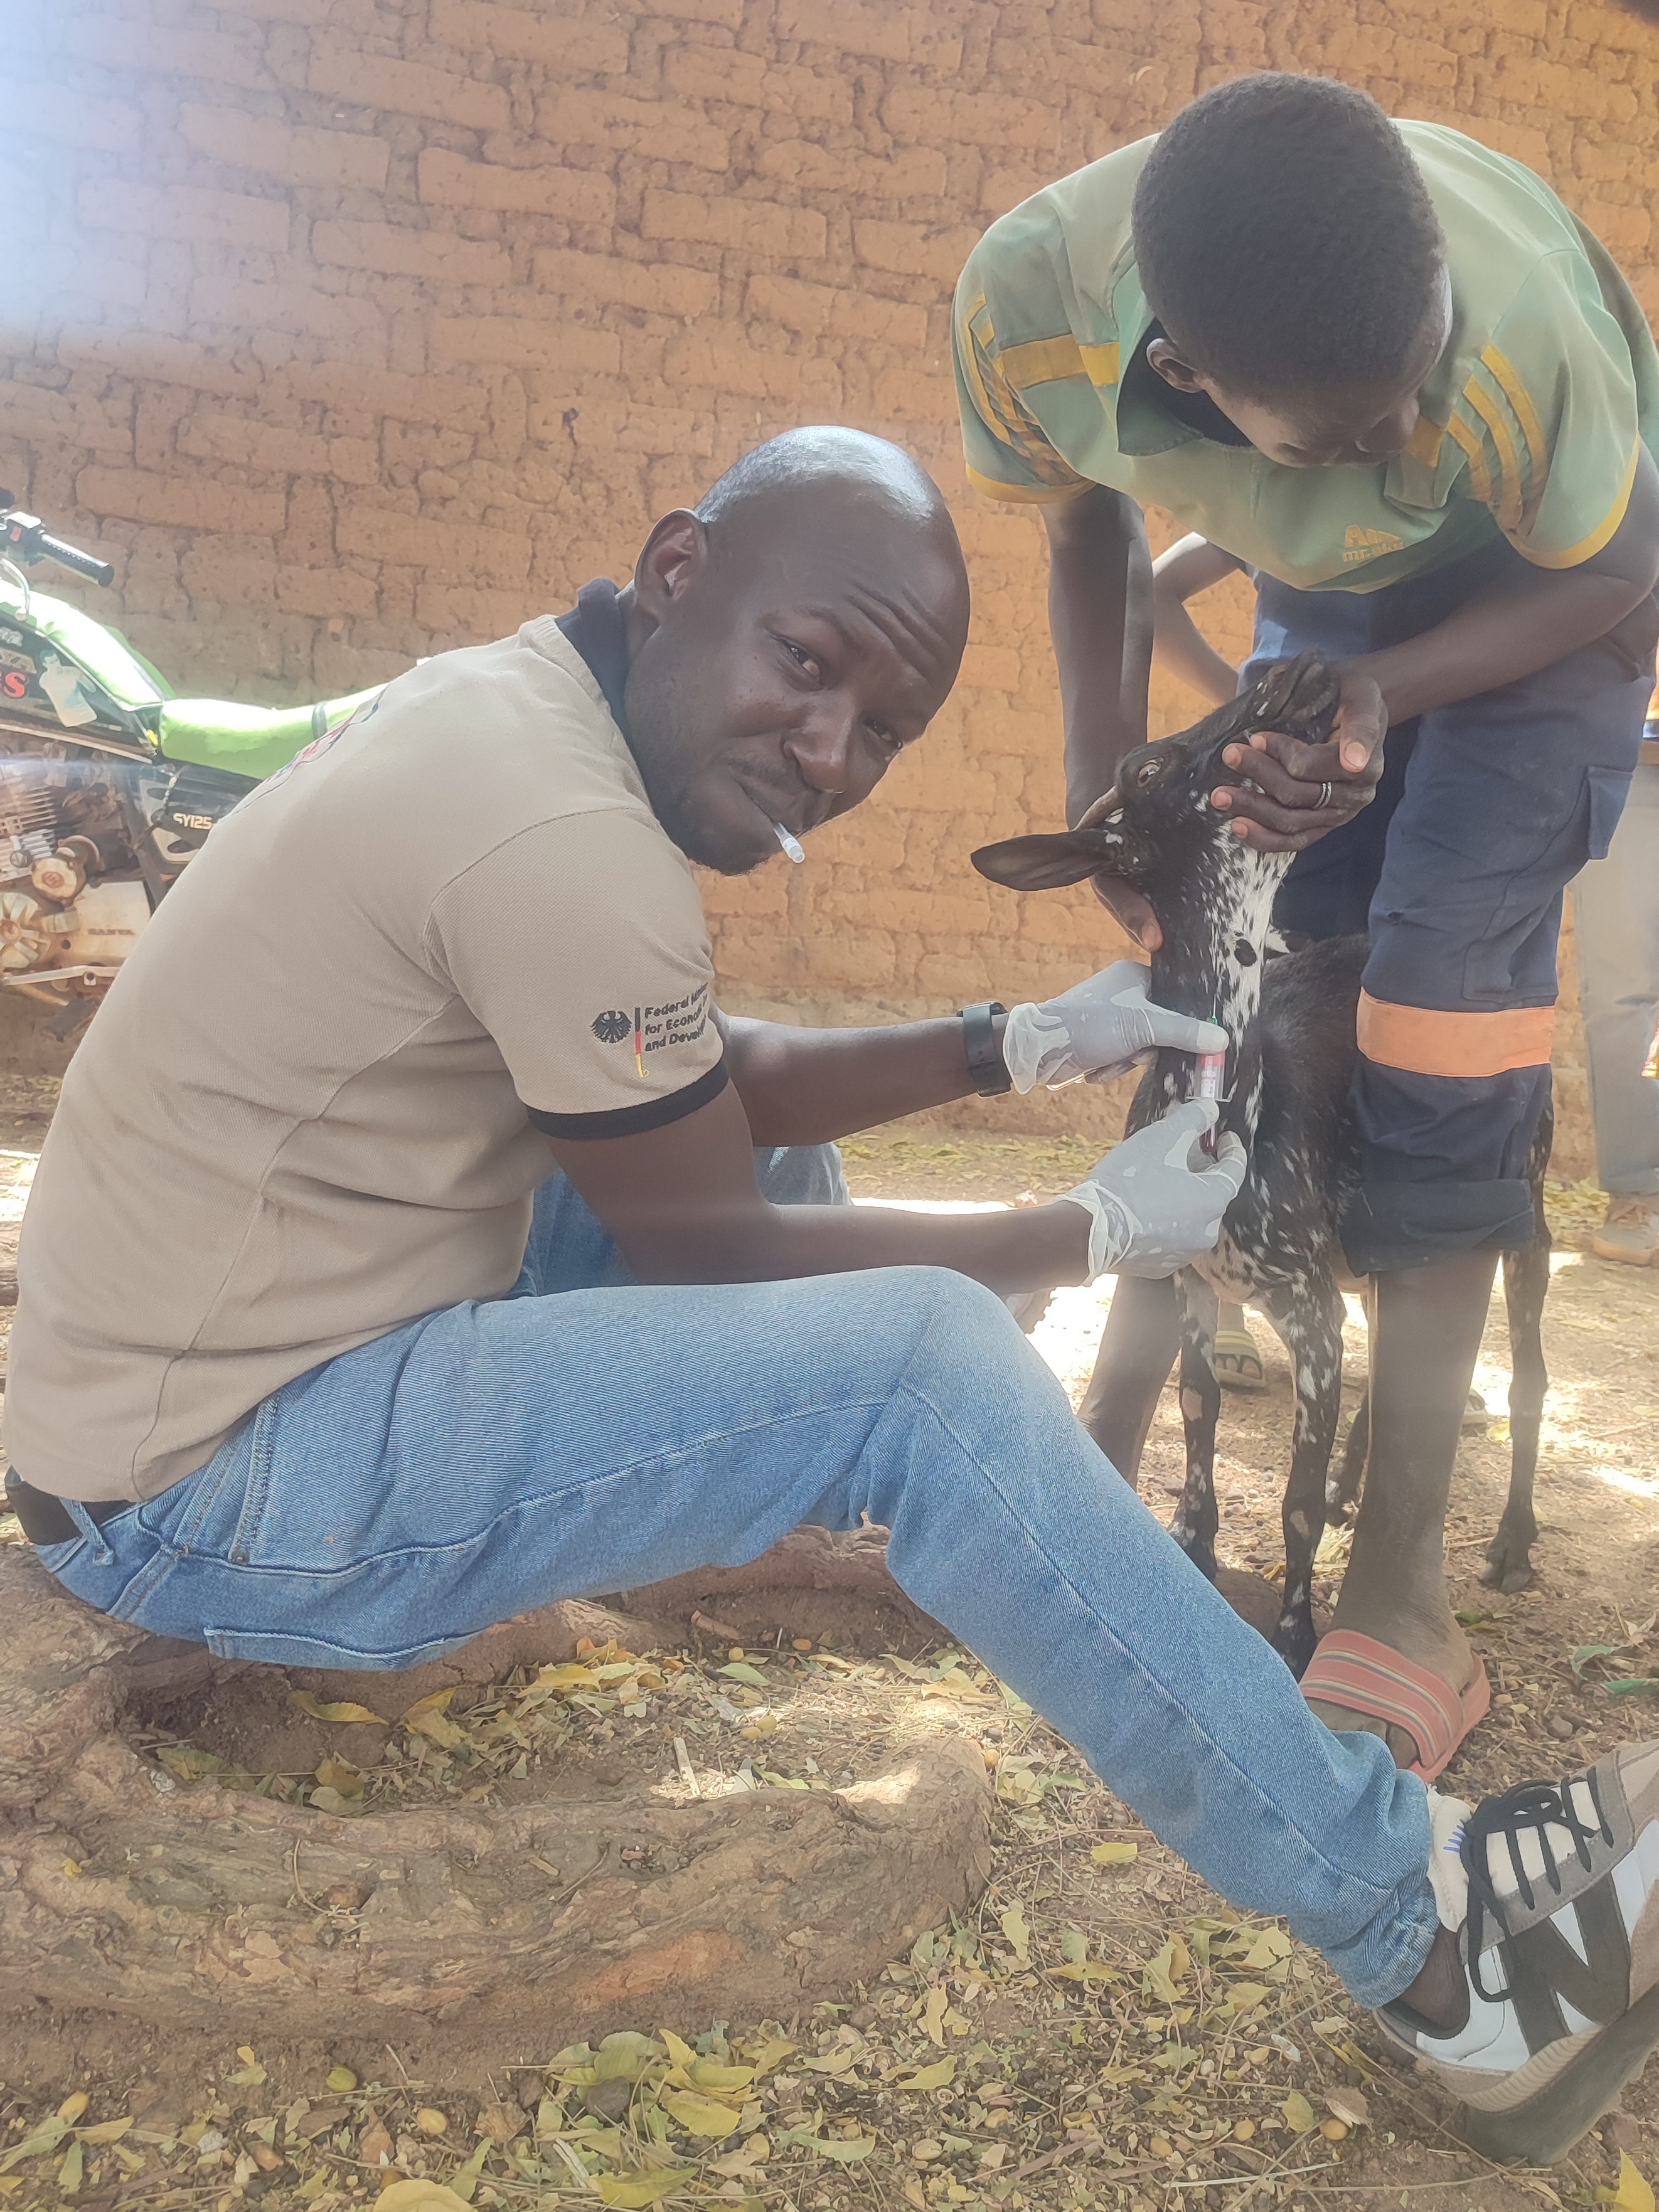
1299 696
1047 863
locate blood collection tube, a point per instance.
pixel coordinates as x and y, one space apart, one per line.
1211 1067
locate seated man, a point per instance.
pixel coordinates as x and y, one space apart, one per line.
316 1363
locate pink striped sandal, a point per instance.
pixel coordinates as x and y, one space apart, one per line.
1364 1676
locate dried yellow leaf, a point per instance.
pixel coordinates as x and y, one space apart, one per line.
1299 2112
1016 1933
634 2190
72 2107
709 2074
428 1717
309 1702
431 2121
340 2079
940 2075
1115 1854
699 2115
419 2196
770 2056
1633 2193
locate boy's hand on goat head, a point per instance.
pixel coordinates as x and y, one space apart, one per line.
1099 1028
1296 793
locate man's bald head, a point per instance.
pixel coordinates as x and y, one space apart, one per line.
825 458
788 636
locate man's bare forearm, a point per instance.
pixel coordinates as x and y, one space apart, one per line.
805 1086
1100 613
1026 1248
1514 628
1524 622
682 1204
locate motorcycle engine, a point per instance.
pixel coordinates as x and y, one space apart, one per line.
72 896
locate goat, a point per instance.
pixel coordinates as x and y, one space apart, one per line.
1292 1023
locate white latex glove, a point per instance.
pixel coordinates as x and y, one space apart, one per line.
1098 1030
1156 1201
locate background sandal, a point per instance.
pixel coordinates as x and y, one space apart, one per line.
1237 1363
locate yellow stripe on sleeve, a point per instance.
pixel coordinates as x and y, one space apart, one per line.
1029 494
1508 461
1525 413
1048 361
1587 548
1476 453
1532 430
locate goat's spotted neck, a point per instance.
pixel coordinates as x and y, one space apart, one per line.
1210 963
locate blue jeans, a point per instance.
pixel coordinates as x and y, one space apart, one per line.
569 1440
1615 908
1486 810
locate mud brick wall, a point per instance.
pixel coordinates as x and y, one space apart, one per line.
355 330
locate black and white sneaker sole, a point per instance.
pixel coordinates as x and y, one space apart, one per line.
1545 2127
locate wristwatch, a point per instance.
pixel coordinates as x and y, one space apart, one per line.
986 1068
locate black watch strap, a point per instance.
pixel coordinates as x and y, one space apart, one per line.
986 1068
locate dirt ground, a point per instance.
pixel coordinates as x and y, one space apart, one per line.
1102 2032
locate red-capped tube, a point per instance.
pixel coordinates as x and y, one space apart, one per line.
1212 1065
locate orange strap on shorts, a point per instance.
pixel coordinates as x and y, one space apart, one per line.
1421 1041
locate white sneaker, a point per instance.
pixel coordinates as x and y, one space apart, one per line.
1552 1891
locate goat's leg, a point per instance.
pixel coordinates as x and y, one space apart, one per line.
1196 1518
1137 1350
1310 1324
1526 1286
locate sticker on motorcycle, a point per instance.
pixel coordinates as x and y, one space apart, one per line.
61 685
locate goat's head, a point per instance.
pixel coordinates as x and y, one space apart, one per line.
1153 823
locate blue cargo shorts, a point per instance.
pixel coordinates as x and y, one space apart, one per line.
1486 810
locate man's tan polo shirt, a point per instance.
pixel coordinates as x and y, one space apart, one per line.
304 1116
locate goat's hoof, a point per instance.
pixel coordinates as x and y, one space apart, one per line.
1506 1570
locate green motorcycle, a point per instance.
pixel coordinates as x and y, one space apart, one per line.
108 784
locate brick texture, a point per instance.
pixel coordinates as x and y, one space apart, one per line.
355 330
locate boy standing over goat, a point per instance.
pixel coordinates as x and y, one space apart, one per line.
1386 370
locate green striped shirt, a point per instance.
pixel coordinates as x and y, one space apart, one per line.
1530 422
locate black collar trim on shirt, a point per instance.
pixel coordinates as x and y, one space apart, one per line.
1144 389
597 627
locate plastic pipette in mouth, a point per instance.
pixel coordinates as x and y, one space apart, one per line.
793 846
1212 1065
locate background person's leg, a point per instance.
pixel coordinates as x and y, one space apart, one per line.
1615 905
496 1455
1506 796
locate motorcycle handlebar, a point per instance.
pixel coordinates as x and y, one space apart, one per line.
26 537
70 556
